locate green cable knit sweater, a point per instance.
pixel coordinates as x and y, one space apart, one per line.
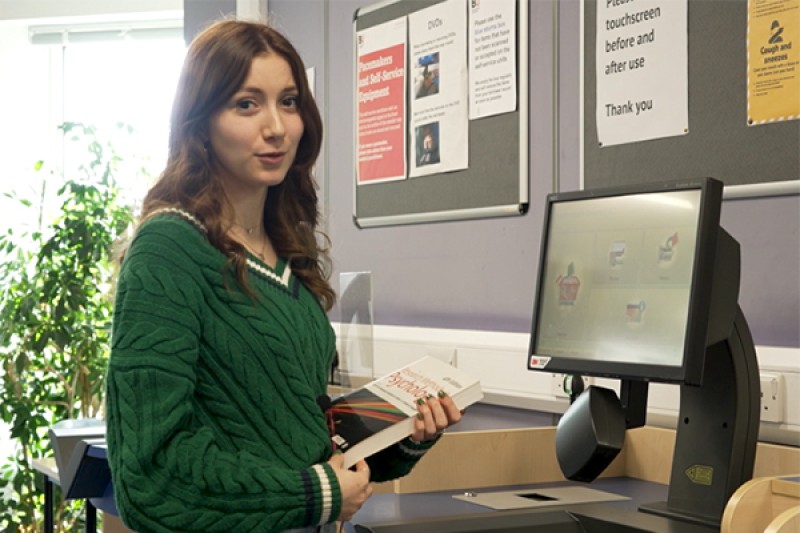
212 418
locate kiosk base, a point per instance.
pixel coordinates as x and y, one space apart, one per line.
717 432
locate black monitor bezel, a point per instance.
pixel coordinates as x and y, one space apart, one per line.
690 371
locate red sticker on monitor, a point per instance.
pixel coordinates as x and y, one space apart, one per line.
537 361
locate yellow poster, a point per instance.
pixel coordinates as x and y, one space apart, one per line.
773 61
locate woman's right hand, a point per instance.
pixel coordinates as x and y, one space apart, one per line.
354 484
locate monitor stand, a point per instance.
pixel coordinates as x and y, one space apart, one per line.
716 433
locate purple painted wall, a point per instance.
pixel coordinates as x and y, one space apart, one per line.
481 274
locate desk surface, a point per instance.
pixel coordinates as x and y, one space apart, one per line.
391 507
440 512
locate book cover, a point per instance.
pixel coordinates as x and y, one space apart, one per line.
380 413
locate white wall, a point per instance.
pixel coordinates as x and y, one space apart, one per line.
499 360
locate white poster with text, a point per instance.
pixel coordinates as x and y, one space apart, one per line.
492 58
439 122
641 70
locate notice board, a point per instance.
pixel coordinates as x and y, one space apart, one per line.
494 181
719 143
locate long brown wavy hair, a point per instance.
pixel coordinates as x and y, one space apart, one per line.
216 65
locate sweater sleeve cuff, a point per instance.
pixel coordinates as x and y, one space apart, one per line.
323 495
415 450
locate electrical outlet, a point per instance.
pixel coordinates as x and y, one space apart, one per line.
772 397
557 386
560 385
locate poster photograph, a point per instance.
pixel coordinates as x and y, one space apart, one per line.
439 123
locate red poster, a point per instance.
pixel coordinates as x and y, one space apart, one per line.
380 146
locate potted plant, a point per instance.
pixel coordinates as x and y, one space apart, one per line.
55 317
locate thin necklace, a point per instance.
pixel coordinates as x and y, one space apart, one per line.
249 233
260 254
247 230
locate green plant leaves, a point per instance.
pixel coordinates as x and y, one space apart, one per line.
55 311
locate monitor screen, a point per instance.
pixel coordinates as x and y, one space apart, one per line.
625 282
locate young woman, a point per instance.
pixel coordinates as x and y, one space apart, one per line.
221 343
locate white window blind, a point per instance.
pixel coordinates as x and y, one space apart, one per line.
104 32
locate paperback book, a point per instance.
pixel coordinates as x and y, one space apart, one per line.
382 412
